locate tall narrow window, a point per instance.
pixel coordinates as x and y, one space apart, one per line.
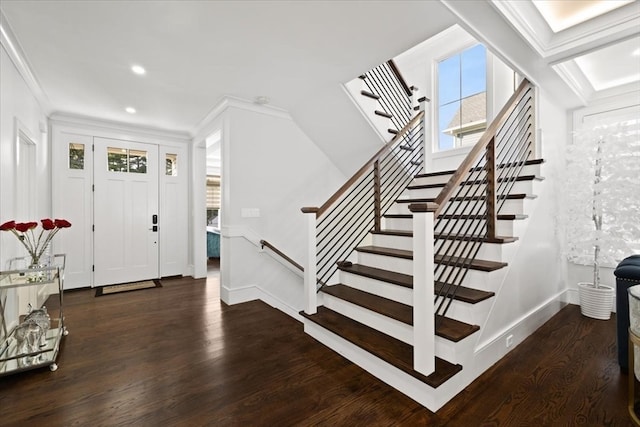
171 164
76 156
462 98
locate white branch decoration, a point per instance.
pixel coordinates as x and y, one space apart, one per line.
602 195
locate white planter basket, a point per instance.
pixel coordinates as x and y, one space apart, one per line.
596 303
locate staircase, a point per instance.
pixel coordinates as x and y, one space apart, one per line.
364 293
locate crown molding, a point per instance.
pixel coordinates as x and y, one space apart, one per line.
596 33
207 125
573 76
123 129
11 45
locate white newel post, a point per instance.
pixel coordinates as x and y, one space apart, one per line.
310 292
423 294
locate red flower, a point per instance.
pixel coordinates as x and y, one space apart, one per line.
9 225
48 224
62 223
26 226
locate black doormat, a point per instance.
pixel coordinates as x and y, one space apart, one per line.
127 287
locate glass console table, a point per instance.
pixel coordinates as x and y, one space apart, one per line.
28 344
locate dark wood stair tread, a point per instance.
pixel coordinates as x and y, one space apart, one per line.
484 239
393 131
502 217
383 114
392 252
389 349
390 232
399 279
451 172
476 264
463 293
476 182
369 94
517 196
447 328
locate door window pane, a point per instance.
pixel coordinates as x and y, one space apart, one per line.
76 156
124 160
137 161
171 165
117 159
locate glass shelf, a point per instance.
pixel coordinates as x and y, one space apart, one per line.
16 354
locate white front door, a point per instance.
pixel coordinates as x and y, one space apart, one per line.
125 211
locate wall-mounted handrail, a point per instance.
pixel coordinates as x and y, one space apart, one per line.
281 254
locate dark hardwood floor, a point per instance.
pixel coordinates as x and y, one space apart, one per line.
177 356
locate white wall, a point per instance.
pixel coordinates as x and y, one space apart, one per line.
271 168
18 102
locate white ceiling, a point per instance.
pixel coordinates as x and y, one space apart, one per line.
196 52
296 53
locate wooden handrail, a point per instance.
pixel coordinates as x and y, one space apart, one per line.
326 205
401 79
480 146
264 243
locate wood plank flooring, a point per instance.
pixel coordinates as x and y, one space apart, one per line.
177 356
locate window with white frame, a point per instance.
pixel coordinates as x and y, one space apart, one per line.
462 98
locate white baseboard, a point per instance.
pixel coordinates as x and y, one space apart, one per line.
255 292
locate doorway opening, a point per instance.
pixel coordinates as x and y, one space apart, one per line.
214 202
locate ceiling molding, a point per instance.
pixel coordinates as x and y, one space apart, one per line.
207 125
527 21
124 129
601 31
17 56
575 78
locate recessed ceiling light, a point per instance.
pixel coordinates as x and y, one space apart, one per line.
130 110
636 52
138 69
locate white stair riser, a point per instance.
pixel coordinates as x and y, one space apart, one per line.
453 352
391 241
378 287
399 265
481 280
500 252
474 314
384 324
